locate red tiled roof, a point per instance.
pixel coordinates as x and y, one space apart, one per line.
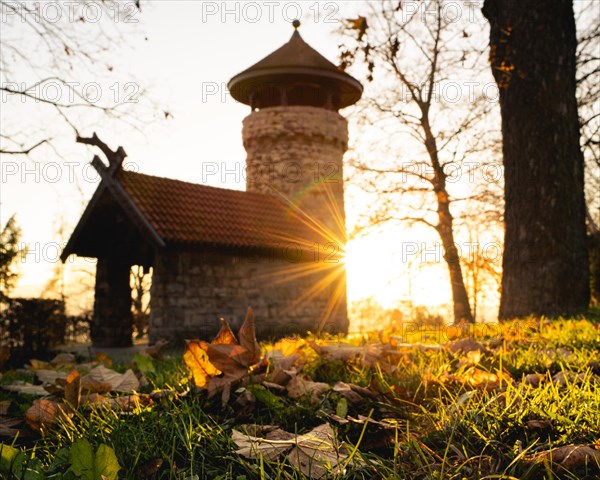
187 213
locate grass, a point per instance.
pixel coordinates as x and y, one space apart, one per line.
439 426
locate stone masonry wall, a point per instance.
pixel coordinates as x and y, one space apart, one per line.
297 152
190 291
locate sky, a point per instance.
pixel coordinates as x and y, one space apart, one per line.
181 54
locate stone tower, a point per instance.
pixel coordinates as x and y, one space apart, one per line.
295 138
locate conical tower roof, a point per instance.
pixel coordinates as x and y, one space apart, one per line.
294 65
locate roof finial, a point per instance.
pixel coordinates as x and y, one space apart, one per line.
296 24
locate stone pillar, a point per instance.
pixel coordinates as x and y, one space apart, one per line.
112 324
297 152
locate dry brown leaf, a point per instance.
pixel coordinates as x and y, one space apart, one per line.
90 386
315 453
38 364
267 441
63 359
563 378
130 402
225 335
7 427
278 376
120 382
570 457
73 389
283 363
94 399
383 424
534 379
338 351
223 384
465 346
49 376
348 393
43 413
539 425
157 350
274 387
301 386
27 388
4 404
232 360
247 335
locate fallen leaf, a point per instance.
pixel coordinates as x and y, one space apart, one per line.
348 393
157 350
49 376
563 378
26 388
130 402
225 335
338 351
63 359
120 382
90 386
247 335
267 441
465 346
570 457
196 359
534 379
38 364
4 404
301 386
44 413
233 360
73 389
539 425
7 427
317 453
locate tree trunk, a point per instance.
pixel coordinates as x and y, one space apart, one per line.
545 264
460 298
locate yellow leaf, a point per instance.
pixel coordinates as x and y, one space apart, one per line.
290 346
196 359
